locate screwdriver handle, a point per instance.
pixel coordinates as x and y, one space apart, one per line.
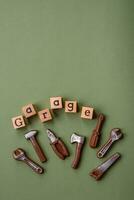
99 123
94 139
96 132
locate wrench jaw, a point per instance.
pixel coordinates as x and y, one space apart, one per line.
19 154
116 134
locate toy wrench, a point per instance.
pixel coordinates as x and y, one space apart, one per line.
20 155
115 135
57 145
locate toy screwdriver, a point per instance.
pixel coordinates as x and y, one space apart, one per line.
57 145
93 142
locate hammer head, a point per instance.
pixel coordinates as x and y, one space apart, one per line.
30 134
77 138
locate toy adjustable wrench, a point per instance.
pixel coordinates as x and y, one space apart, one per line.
115 135
20 155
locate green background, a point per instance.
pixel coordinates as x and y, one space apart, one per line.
81 50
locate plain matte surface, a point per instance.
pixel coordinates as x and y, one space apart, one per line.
81 50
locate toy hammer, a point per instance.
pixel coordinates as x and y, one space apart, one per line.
31 136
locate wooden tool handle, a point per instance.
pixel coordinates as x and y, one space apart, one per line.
94 139
77 155
59 154
35 167
98 172
38 149
96 132
62 148
101 119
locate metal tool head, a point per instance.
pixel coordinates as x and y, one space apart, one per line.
77 138
30 134
116 134
51 136
98 172
19 154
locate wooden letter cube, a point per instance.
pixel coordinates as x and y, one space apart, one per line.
56 102
29 110
45 115
71 106
87 112
18 122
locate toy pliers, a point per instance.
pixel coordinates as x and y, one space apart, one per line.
57 145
